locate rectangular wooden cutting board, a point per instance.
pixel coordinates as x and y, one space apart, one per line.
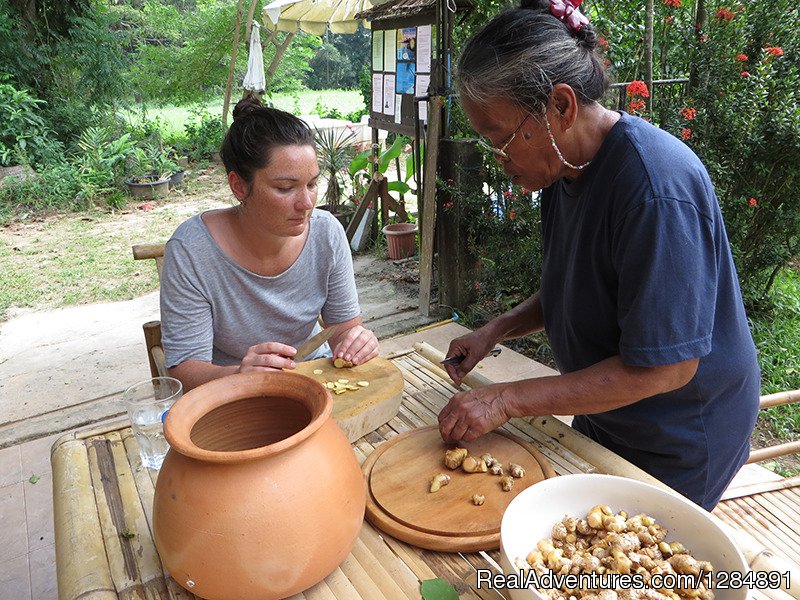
362 411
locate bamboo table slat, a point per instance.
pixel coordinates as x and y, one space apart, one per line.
103 502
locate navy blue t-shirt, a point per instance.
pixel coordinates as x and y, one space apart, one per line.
637 264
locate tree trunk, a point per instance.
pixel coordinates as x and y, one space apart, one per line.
648 52
226 103
701 16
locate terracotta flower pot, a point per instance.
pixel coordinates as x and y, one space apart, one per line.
401 240
260 495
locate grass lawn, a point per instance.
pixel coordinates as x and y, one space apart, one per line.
299 103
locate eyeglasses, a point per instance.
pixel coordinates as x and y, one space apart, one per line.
501 151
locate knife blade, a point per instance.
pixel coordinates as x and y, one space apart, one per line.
314 343
455 360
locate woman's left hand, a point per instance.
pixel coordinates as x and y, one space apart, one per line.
471 414
358 345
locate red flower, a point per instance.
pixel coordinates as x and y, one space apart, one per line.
741 57
752 202
723 14
450 182
637 88
669 19
675 3
774 50
704 38
450 204
745 74
636 104
686 134
512 215
507 194
688 113
602 42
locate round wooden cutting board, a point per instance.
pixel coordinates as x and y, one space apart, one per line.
399 501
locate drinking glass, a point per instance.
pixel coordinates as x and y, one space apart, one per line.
148 403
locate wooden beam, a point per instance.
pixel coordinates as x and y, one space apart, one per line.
369 196
779 398
276 61
428 216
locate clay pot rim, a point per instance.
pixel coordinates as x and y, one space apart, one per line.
200 401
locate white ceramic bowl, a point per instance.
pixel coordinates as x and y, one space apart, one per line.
531 515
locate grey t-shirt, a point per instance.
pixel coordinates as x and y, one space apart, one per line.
213 310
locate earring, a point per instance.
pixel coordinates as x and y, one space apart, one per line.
526 136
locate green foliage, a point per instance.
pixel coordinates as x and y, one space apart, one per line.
337 63
204 136
102 158
747 132
64 53
777 336
330 68
23 132
325 111
60 187
503 229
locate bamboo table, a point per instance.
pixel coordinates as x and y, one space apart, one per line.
103 502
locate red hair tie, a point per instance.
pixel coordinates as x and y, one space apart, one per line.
567 11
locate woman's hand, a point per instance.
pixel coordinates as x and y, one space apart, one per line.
358 345
471 414
269 356
473 347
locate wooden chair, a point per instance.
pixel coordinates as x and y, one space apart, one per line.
152 329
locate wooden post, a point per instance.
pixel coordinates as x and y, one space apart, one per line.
462 166
226 103
370 196
428 216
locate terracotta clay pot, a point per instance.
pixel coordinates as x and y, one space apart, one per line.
401 240
260 495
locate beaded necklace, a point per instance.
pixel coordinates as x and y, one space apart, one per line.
558 152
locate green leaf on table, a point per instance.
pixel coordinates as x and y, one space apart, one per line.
438 589
34 478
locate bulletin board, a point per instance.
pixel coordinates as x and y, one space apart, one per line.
401 70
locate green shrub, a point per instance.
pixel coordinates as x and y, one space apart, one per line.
101 163
204 137
60 187
24 135
747 132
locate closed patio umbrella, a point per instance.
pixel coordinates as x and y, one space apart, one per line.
254 80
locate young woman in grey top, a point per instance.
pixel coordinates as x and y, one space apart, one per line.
242 287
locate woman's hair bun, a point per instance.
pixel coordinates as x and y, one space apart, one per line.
245 106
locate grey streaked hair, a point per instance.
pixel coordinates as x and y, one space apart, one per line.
523 53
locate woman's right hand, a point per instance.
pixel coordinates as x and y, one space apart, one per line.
473 347
269 356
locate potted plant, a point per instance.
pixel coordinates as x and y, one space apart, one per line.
153 169
334 148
